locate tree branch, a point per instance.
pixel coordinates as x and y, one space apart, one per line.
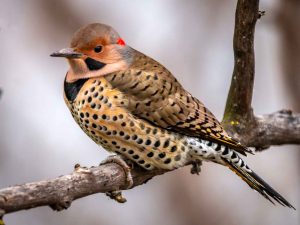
259 131
60 192
239 120
238 105
282 127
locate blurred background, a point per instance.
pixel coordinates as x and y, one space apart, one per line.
193 39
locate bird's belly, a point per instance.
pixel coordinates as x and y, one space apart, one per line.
101 113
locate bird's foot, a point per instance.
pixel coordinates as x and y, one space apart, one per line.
127 165
196 167
117 196
61 204
80 169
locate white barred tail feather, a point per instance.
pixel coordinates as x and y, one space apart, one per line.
210 151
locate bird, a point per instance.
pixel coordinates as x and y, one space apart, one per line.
134 107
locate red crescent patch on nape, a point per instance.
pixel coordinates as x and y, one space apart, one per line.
121 42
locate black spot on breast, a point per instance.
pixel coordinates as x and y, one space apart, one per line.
167 161
126 137
157 144
174 148
135 157
177 157
141 161
162 155
139 141
72 89
150 154
166 144
134 137
94 64
130 151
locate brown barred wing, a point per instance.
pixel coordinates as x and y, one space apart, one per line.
154 94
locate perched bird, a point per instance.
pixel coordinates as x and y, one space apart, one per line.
133 106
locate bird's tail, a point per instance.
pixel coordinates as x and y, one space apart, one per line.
238 166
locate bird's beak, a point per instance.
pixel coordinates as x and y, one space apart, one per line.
67 52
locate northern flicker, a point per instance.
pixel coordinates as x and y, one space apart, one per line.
133 106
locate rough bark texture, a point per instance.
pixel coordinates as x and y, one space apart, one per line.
60 192
281 127
239 120
238 106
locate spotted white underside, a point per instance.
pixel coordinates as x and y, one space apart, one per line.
210 151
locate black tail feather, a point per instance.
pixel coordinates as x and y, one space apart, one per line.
258 184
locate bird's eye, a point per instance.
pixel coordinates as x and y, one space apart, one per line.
98 49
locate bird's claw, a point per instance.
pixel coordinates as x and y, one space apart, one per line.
196 167
80 169
117 196
126 166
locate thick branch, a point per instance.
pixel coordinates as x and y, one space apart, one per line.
60 192
239 121
238 105
282 127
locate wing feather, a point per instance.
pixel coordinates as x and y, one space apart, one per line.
153 94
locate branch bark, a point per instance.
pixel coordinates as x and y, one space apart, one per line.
60 192
281 127
239 121
238 105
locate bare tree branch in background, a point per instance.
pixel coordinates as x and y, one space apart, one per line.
259 131
288 17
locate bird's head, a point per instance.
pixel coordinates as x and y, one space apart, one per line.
95 50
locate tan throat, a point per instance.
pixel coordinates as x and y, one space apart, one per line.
79 70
